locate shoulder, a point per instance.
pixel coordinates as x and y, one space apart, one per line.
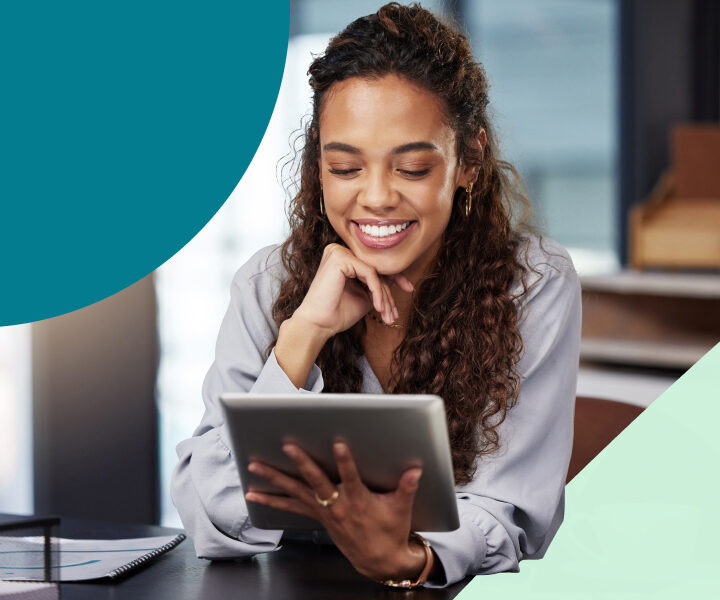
550 307
260 278
265 264
545 264
544 255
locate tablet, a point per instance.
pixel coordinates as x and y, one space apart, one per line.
386 434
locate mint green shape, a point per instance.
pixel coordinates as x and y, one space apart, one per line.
642 520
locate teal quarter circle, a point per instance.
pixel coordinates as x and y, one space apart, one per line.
124 126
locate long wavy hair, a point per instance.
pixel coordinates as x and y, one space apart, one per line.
462 340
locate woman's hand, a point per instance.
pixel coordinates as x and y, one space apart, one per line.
370 529
343 291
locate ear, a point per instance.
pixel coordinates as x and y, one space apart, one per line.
469 173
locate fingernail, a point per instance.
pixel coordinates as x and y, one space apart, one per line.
290 450
396 313
250 496
340 449
254 468
415 477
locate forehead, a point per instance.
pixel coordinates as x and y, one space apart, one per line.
373 114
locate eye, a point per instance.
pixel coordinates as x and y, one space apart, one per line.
343 171
414 174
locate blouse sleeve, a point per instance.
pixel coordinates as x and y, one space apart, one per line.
206 485
514 505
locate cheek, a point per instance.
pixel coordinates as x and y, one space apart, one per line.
336 206
336 212
436 198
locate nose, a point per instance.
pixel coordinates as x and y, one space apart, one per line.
377 194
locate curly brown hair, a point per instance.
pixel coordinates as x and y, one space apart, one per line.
462 340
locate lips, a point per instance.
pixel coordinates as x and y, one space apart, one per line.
373 239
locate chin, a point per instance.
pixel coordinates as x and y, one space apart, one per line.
386 266
385 262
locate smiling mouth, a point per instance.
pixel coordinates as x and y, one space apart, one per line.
382 235
383 231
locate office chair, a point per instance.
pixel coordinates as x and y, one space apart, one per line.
597 423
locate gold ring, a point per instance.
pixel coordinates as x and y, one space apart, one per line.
329 501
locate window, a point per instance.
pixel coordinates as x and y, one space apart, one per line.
15 420
551 65
193 287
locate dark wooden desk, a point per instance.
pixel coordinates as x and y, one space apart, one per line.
299 570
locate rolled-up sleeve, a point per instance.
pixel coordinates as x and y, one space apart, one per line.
206 485
514 505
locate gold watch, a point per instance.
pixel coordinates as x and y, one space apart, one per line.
422 578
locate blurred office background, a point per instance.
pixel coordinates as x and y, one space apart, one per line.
583 95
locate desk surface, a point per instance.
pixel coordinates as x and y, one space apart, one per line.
297 571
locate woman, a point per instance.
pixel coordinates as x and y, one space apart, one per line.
403 273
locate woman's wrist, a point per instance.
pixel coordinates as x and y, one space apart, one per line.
419 561
406 565
297 348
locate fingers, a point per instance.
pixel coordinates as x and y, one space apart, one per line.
408 486
390 314
378 286
383 301
313 475
371 279
403 283
287 484
280 502
347 469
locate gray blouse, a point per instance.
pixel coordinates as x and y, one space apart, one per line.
511 509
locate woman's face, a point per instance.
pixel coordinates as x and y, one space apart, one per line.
389 171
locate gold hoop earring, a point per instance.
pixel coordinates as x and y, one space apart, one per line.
468 199
322 204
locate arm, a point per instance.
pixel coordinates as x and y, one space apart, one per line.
206 485
515 503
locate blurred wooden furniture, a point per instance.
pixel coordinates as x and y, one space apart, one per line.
659 320
679 225
597 423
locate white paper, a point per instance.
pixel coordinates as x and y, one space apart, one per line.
23 590
23 557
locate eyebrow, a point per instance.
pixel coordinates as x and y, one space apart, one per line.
397 150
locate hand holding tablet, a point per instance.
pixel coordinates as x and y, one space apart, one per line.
373 446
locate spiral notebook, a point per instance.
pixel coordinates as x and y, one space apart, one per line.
80 560
29 590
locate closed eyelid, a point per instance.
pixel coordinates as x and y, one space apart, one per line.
414 166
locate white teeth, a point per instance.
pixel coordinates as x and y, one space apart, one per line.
383 230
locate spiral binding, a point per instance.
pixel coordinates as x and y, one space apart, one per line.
146 557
